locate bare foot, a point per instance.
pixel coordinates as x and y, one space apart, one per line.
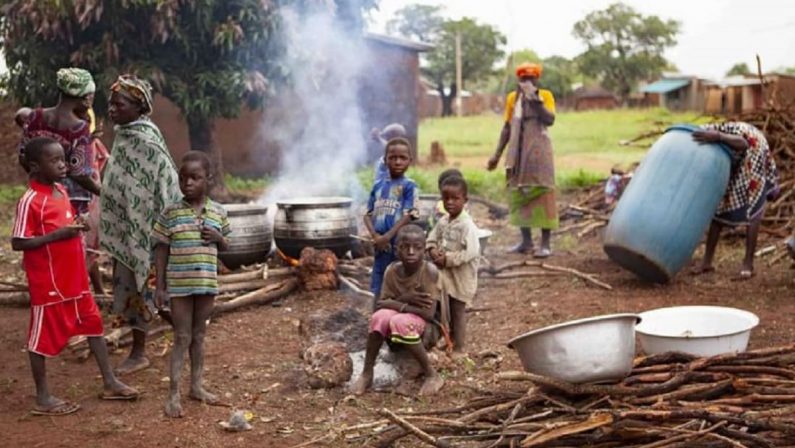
703 269
199 394
362 384
432 384
119 391
132 365
173 407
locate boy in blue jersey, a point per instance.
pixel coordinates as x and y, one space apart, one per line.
392 205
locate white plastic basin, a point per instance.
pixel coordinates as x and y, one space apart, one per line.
698 330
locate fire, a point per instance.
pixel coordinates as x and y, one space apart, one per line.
290 260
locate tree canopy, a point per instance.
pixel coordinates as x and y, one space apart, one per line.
209 57
739 69
481 47
624 46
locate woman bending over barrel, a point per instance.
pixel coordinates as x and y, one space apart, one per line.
754 179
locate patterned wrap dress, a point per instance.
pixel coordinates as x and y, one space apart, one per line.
754 177
529 165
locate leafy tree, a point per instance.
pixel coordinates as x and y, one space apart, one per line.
480 47
624 46
208 57
420 22
739 69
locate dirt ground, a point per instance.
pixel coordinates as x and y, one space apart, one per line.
253 355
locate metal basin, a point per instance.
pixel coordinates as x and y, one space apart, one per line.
250 240
698 330
318 222
597 349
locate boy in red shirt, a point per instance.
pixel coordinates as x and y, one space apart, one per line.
48 232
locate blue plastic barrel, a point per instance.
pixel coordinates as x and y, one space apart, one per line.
668 205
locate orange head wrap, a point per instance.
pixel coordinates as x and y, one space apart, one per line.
529 69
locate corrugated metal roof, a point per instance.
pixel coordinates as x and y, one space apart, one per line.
399 42
665 85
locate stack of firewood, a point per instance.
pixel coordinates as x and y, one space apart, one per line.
669 400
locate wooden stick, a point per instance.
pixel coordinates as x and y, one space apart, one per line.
259 274
350 284
242 286
590 228
587 277
261 296
524 274
415 431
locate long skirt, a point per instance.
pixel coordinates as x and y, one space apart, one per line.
533 207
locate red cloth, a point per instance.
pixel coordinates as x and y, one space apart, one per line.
51 326
56 271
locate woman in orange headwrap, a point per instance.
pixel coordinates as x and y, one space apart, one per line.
529 165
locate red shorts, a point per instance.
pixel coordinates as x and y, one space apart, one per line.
52 325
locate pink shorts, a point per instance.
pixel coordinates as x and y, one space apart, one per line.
403 328
52 325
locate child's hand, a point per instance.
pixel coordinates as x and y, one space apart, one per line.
81 222
381 243
438 259
211 235
418 299
161 298
67 232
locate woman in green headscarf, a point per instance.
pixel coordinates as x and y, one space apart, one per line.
64 123
140 179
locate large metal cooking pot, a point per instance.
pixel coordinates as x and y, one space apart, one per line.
319 222
597 349
250 240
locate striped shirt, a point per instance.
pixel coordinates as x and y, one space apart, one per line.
192 263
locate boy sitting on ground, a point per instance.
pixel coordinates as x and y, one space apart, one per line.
47 230
454 247
408 302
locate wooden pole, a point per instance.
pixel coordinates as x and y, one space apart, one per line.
458 76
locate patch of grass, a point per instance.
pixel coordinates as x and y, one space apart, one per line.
588 140
243 184
571 179
10 194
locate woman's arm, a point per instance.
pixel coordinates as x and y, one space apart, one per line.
736 142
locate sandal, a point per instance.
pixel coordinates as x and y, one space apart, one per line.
542 253
745 274
62 408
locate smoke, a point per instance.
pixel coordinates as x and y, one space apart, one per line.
322 141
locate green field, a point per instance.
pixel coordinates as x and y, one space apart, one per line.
586 145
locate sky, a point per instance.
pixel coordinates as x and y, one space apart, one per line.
715 34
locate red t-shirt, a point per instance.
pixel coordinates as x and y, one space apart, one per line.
56 271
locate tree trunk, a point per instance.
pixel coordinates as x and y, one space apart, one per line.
447 100
201 132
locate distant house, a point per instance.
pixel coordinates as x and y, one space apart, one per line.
472 103
248 143
676 92
593 97
740 94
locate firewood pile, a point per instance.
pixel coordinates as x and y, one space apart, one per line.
669 400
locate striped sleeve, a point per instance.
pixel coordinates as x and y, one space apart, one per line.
226 229
26 220
161 231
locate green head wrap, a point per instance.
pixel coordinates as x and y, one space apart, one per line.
75 82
